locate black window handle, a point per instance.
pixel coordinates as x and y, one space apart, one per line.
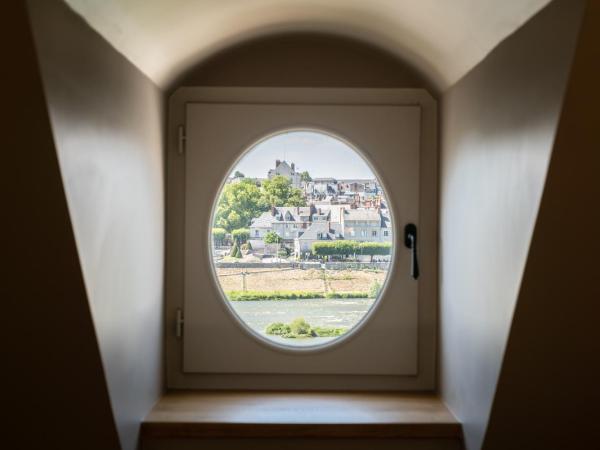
410 241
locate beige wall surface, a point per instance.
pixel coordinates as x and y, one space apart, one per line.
107 121
54 392
498 125
548 393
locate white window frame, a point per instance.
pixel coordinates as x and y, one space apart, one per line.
427 316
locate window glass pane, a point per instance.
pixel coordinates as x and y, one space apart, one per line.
292 252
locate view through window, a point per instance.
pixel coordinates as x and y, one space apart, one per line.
302 238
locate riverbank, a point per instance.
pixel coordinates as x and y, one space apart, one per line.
320 313
246 296
316 281
300 329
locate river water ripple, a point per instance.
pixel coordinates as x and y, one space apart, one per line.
318 312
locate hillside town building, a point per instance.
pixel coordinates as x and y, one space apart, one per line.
282 168
352 209
300 227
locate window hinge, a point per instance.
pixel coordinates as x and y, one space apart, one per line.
179 323
181 140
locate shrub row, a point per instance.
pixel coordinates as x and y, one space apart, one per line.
239 236
347 248
241 296
356 294
245 296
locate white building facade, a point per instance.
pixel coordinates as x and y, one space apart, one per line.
303 226
282 168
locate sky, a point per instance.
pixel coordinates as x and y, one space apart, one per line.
321 155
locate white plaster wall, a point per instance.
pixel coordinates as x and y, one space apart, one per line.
442 39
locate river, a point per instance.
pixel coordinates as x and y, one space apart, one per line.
322 312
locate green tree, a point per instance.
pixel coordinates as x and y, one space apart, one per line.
272 238
238 205
305 177
218 235
240 235
279 192
238 174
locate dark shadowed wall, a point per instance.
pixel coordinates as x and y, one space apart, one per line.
548 393
499 124
53 384
304 60
107 122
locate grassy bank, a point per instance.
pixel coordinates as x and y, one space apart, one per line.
356 294
309 280
246 296
300 329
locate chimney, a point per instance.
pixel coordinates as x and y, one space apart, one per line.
277 162
293 167
273 211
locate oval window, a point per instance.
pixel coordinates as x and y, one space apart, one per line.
302 239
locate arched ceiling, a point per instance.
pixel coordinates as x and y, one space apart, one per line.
443 39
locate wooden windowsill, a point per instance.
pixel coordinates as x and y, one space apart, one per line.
198 414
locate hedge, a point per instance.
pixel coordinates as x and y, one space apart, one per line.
357 294
347 248
219 235
246 296
240 235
